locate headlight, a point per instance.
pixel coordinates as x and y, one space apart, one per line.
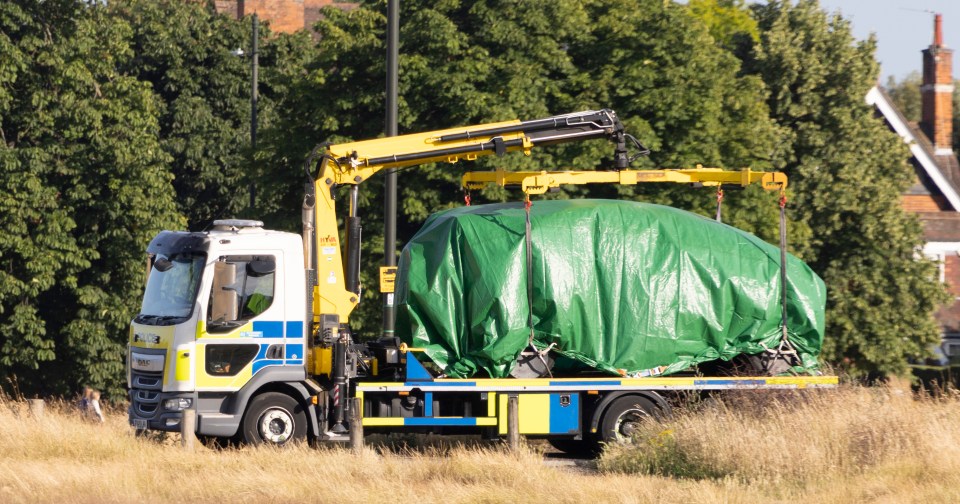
178 404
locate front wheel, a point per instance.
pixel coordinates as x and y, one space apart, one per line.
624 418
274 418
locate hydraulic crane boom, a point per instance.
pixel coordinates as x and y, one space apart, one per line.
353 162
365 158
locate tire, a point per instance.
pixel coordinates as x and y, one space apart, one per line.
274 418
766 364
623 417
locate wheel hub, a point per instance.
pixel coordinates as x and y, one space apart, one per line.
276 425
628 424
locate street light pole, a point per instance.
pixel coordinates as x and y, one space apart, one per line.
390 187
254 96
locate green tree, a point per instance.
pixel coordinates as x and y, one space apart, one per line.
905 94
684 97
84 187
729 21
848 171
185 51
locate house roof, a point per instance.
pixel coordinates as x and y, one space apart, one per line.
942 169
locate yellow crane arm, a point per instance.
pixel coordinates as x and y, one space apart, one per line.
539 182
353 162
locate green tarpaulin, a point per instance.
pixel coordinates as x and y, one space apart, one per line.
619 286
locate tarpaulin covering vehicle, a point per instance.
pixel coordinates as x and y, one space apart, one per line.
628 288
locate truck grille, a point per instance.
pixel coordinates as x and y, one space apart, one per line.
146 382
145 393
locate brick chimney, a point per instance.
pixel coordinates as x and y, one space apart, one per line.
937 91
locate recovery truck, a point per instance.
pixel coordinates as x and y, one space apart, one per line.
250 327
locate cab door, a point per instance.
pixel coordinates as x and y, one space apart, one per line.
244 329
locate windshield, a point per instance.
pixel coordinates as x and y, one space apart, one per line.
171 289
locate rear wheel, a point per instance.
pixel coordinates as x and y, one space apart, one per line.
624 418
274 418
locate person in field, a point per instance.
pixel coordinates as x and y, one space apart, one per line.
90 405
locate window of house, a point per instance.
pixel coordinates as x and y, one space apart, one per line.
940 259
951 345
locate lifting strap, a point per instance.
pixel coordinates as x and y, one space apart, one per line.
528 238
719 202
785 347
783 265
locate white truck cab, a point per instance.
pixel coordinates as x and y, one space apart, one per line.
223 311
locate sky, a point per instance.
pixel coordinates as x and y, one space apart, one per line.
902 28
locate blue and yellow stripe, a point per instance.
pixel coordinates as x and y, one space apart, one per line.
600 384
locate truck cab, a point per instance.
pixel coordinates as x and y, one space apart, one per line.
223 313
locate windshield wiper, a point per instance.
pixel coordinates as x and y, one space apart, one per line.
154 319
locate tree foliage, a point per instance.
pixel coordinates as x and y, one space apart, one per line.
204 91
729 21
905 94
848 171
84 188
117 118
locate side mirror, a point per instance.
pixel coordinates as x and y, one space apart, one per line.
225 302
260 267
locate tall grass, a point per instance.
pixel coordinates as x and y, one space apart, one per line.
851 445
848 445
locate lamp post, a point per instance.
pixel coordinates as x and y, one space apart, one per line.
390 188
254 96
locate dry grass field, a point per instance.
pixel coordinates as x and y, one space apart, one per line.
848 445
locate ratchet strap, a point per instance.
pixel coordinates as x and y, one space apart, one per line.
528 239
785 347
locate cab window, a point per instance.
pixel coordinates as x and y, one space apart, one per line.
243 287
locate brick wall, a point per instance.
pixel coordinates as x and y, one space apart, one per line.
951 273
285 16
949 314
311 10
228 7
924 203
936 93
937 113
